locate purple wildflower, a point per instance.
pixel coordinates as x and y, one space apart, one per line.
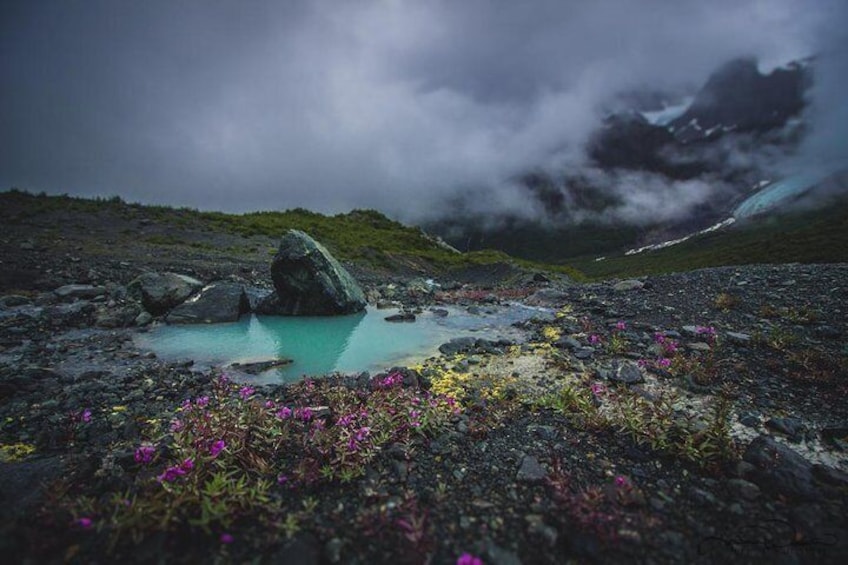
709 331
598 389
177 425
144 454
414 418
202 401
621 325
306 414
594 339
227 538
282 479
468 559
621 481
351 444
269 404
246 392
85 522
86 415
363 433
284 413
664 362
217 448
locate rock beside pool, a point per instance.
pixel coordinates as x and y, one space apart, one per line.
257 367
311 282
217 303
159 292
401 317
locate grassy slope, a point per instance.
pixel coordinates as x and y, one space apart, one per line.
808 237
363 236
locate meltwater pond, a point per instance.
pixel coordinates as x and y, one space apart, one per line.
321 345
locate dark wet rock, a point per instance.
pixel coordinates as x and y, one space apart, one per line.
257 367
530 471
439 312
567 342
217 303
744 489
827 332
76 314
159 292
119 317
458 345
584 352
837 436
143 318
401 317
750 420
626 373
738 338
79 291
12 300
780 469
793 428
310 281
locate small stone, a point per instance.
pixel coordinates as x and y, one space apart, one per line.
628 285
744 489
530 471
401 317
793 428
749 420
333 550
738 338
628 373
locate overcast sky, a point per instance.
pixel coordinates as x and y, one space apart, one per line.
332 105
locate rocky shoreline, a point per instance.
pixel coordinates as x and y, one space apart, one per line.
515 476
694 417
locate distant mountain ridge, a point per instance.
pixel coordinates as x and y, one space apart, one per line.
737 105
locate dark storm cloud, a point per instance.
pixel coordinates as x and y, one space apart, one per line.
332 105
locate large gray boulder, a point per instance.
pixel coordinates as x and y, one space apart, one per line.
311 282
159 292
217 303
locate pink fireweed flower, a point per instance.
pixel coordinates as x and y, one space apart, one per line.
659 338
202 401
86 415
345 420
246 392
621 481
144 454
174 472
269 404
468 559
621 325
85 522
227 538
351 444
664 362
594 339
414 418
186 405
284 413
282 479
217 448
598 389
363 433
177 425
709 331
306 414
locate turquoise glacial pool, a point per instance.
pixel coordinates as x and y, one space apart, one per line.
321 345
